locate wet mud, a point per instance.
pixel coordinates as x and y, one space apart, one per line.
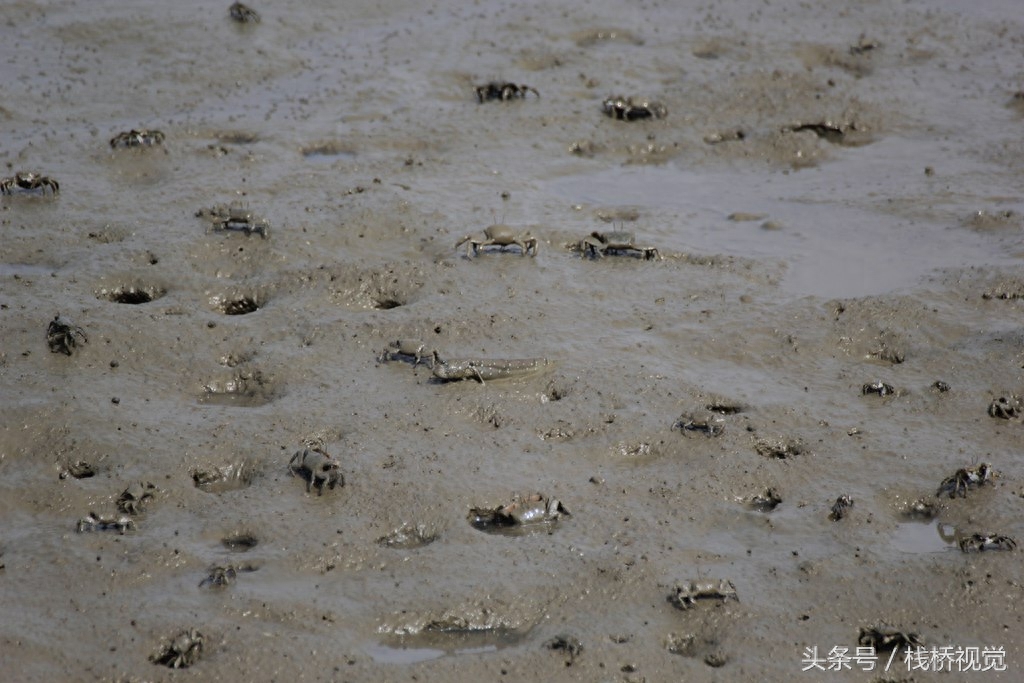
769 255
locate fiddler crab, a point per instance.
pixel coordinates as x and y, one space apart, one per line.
496 90
182 652
243 14
626 109
134 499
78 470
765 501
887 639
708 425
687 593
839 508
979 543
317 468
236 217
569 644
222 576
137 138
501 236
95 522
964 478
62 335
408 348
1005 408
921 509
28 181
522 509
599 244
880 388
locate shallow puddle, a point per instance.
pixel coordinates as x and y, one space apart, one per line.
833 242
427 646
924 537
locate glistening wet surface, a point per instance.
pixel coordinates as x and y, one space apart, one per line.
835 237
834 200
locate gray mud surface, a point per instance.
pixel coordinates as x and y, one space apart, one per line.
836 193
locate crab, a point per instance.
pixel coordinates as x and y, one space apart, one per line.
599 244
708 425
134 499
921 509
887 639
78 470
1005 408
626 109
28 181
568 644
522 509
496 90
137 138
964 478
765 501
839 508
880 388
240 218
236 217
408 348
501 236
182 652
979 543
243 14
221 576
318 468
62 335
687 593
95 522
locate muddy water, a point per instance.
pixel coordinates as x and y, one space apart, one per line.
864 228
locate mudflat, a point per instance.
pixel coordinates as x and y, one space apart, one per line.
750 322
